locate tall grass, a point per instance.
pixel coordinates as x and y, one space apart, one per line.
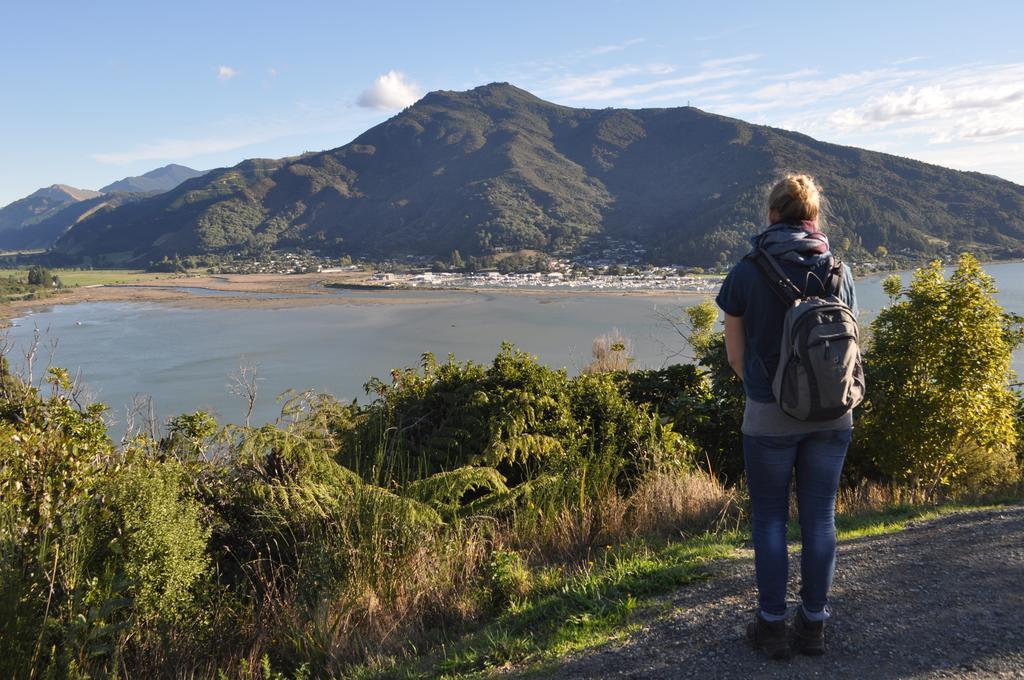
612 352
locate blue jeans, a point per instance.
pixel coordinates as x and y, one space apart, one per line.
818 459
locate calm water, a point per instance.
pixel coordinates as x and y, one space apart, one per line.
184 358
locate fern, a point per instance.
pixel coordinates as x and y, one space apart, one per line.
446 490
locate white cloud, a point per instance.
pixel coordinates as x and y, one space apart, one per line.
390 92
607 86
639 84
978 157
976 104
585 86
226 73
618 47
928 101
793 75
528 72
179 149
804 90
697 96
729 61
993 131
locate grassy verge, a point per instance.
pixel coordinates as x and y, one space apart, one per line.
896 519
93 277
14 285
600 602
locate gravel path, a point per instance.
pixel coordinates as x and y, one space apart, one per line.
942 599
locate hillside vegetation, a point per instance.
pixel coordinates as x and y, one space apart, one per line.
495 168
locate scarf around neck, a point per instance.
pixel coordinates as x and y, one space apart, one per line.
801 243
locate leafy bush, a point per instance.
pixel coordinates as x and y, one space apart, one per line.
93 541
509 576
51 458
159 542
941 412
516 416
704 400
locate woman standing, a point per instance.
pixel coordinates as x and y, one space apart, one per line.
775 444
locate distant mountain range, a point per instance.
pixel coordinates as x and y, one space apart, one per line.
40 218
159 180
40 204
496 168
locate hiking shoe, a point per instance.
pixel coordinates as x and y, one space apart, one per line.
808 636
769 637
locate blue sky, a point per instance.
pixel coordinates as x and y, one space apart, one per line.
92 92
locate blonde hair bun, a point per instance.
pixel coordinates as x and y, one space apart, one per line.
796 198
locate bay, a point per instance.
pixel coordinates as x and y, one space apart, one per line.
184 357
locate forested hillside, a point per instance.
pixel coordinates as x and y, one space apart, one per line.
497 168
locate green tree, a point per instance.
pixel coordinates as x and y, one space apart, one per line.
708 401
456 261
941 410
39 276
713 416
893 286
168 265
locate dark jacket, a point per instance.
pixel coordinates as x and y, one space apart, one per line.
746 293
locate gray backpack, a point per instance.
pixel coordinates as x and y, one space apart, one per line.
820 374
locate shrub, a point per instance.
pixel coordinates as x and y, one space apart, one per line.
159 542
52 460
708 408
940 410
516 416
509 576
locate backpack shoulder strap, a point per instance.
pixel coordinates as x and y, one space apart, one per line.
834 277
780 284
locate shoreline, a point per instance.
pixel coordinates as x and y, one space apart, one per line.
286 290
307 290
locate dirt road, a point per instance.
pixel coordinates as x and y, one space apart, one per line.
942 599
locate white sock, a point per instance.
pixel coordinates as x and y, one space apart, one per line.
815 616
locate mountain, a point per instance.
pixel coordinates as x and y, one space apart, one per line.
42 233
39 219
498 168
40 204
159 180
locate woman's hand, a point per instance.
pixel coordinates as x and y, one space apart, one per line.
735 343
